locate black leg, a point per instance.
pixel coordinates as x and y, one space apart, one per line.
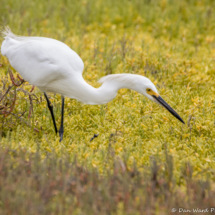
61 125
50 106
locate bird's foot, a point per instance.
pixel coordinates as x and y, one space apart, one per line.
61 133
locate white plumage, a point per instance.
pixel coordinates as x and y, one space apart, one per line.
53 67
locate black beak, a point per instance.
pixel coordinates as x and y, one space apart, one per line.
164 104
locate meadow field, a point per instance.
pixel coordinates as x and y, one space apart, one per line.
170 42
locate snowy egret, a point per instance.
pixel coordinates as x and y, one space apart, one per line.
53 67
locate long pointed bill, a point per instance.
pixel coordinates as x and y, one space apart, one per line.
165 105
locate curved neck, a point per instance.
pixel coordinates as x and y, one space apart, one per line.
87 94
94 96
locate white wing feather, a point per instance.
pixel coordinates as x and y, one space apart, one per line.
40 60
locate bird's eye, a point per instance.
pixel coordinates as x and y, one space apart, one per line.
148 90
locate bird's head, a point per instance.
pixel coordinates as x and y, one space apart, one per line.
138 83
144 86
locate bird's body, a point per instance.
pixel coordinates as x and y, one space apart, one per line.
53 67
44 62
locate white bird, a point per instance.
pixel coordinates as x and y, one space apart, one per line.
54 67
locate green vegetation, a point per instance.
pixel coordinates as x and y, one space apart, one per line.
61 186
170 42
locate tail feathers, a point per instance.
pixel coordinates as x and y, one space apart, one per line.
8 33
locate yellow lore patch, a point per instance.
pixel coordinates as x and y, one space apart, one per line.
151 92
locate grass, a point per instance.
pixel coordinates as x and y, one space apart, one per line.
170 42
62 186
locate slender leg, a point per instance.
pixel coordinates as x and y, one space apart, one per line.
50 106
61 125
